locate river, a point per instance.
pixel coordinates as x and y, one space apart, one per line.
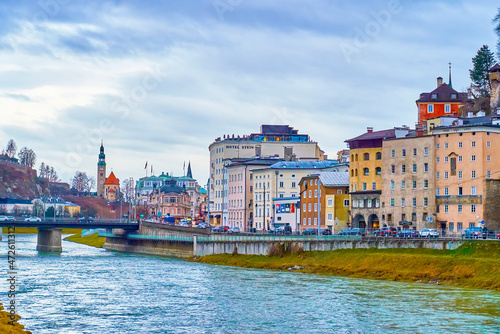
90 290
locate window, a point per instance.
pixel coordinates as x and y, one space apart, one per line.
304 221
366 156
393 154
460 144
403 202
403 169
282 184
473 143
460 191
460 158
310 193
294 184
472 190
446 145
437 175
414 184
403 184
447 108
414 216
426 201
339 191
488 158
451 227
346 203
378 171
392 185
473 157
446 191
393 169
459 208
403 153
437 160
414 152
488 174
330 216
366 171
309 221
364 186
453 166
446 208
446 159
414 202
310 207
426 167
473 174
434 96
473 208
437 191
374 186
414 169
378 156
488 144
437 146
446 175
392 201
459 174
426 151
315 193
426 184
430 108
315 207
330 202
459 227
304 207
453 96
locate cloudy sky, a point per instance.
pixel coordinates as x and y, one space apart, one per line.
158 81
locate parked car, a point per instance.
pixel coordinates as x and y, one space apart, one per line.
234 230
345 231
429 233
86 219
498 236
218 229
325 231
375 232
408 234
3 219
33 219
310 231
202 225
388 231
11 218
478 233
358 231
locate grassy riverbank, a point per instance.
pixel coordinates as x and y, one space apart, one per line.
93 240
34 230
8 328
473 265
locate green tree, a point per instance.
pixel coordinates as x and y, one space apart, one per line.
479 75
50 212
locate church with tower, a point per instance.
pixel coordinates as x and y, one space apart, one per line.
107 187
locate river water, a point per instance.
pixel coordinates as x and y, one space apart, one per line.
90 290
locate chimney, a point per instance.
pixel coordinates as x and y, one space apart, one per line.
419 130
439 81
369 129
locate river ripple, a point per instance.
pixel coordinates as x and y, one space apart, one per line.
89 290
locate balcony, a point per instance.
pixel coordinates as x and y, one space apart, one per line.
459 199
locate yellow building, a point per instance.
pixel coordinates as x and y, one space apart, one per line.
365 182
112 188
72 209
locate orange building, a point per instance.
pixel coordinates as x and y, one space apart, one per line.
112 188
442 101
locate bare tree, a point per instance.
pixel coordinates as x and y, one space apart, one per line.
128 189
80 181
11 148
27 157
48 172
90 183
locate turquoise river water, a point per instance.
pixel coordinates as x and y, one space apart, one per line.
89 290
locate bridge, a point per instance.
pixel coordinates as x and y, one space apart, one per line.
50 231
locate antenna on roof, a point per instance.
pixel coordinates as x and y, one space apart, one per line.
450 74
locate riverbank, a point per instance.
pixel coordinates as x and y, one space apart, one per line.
9 328
93 240
475 264
34 230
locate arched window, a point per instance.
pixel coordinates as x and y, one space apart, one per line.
355 172
366 171
352 172
356 157
366 156
379 156
378 170
352 157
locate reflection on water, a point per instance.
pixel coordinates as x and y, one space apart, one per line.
89 290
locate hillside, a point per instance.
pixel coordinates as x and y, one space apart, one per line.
21 182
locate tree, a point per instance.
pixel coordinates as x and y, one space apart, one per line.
496 20
128 189
11 148
27 157
50 212
90 184
80 181
37 208
48 172
479 75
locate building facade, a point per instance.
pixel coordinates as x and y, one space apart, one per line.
273 140
170 200
112 188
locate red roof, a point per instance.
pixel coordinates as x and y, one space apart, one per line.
112 179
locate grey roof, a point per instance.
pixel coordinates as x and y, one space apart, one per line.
329 179
304 164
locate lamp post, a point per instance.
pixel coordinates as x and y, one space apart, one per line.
319 209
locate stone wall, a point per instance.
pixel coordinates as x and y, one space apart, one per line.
492 205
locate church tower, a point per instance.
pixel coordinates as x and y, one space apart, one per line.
101 172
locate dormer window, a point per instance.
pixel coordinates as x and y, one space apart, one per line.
434 96
453 96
